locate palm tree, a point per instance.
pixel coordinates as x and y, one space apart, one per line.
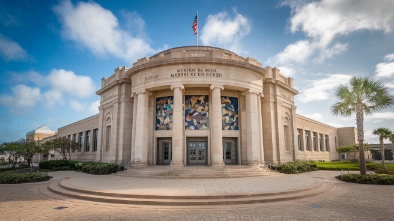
383 133
362 96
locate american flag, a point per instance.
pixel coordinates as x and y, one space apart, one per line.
194 26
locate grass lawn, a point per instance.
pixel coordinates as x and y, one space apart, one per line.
345 165
337 165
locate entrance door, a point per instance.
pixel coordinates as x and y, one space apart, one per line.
230 155
197 152
164 151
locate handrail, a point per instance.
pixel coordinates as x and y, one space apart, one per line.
269 165
169 169
257 161
137 160
126 164
224 168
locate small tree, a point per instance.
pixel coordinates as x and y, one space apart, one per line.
63 146
28 149
352 148
12 151
383 133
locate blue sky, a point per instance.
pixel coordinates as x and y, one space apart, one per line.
53 54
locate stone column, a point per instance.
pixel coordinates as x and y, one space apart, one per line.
252 127
135 103
177 126
216 149
141 132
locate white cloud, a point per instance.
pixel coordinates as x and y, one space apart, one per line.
315 116
51 98
68 82
321 89
385 69
379 117
323 21
297 52
225 31
78 106
10 50
97 29
286 71
93 108
22 96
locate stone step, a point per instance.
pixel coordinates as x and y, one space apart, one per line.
65 189
197 172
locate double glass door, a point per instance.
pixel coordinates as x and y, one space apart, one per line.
197 152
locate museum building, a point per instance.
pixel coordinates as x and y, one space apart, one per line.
201 105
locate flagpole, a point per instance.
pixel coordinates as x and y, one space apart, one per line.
197 29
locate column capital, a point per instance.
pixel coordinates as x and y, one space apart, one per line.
173 86
251 91
216 86
143 91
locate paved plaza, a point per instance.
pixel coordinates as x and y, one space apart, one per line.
346 201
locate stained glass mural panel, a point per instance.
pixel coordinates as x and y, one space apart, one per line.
196 112
164 113
229 113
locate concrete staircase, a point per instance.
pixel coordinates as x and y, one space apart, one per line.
197 172
65 189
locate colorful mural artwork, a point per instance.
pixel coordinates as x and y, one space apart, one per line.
164 111
230 113
196 112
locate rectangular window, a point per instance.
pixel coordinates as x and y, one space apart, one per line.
95 135
69 137
87 141
80 137
285 136
108 138
74 138
308 145
321 142
299 139
314 141
327 143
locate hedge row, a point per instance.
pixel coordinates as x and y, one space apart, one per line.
296 167
56 165
13 177
98 168
381 179
86 167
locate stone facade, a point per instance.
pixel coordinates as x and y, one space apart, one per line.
84 132
201 105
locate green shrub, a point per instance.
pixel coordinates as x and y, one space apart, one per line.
99 168
86 167
56 165
381 179
13 177
296 167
